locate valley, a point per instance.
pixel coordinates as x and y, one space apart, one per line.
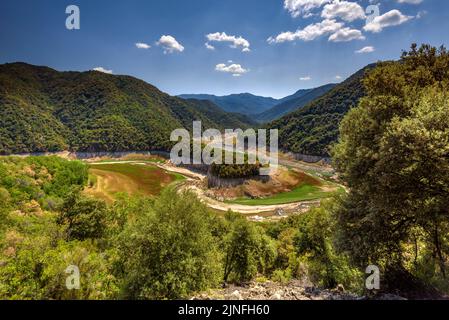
85 180
110 177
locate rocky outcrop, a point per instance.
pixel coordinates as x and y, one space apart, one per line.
295 290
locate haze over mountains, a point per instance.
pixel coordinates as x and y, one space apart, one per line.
293 102
262 109
244 103
42 109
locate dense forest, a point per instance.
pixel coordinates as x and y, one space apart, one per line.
45 110
313 128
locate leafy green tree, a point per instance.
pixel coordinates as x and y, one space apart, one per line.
84 217
34 257
169 251
393 154
314 244
248 250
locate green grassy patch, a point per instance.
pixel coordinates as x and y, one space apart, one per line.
301 193
131 178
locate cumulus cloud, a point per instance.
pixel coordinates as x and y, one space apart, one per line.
303 7
309 33
170 44
410 1
389 19
367 49
236 42
338 77
306 78
101 69
421 14
209 46
348 11
346 34
141 45
235 69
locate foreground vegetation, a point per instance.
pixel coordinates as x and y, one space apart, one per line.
139 247
394 155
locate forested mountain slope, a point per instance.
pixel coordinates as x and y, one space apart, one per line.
45 110
311 129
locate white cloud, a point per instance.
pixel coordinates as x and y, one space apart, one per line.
367 49
170 44
389 19
338 77
303 7
309 33
410 1
236 42
141 45
209 46
101 69
346 34
307 78
348 11
421 14
236 69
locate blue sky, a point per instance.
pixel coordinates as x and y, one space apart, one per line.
311 41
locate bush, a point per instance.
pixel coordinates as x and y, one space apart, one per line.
248 250
169 252
84 217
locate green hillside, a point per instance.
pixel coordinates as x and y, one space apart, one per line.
45 110
311 129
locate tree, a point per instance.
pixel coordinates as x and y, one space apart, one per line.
393 154
169 251
248 250
84 217
314 243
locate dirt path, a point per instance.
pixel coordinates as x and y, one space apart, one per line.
243 209
185 172
222 206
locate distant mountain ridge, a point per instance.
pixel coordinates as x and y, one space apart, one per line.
297 94
293 102
43 110
262 109
244 103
